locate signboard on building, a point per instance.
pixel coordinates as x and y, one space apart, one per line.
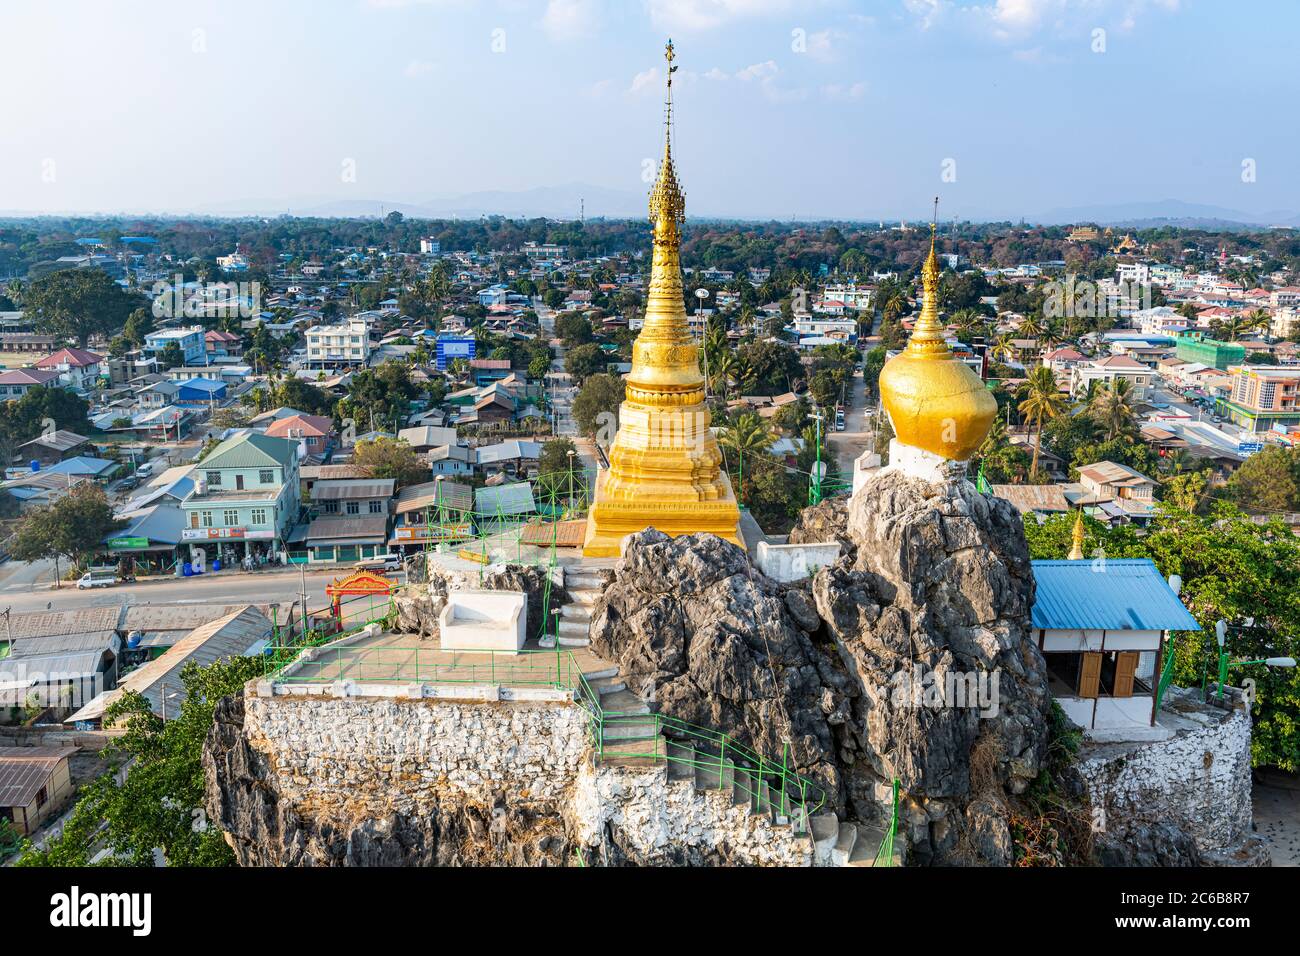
1249 447
217 534
128 544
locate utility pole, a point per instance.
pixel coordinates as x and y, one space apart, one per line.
815 487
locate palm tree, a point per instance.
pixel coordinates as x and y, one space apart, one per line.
724 369
1112 408
1043 401
1003 347
749 436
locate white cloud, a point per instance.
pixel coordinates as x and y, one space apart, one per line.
417 68
822 45
1019 20
645 80
708 14
843 93
570 19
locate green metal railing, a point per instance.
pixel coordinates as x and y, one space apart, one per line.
885 855
1166 674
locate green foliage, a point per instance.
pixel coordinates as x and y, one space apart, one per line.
601 394
78 303
23 419
73 527
380 397
159 803
391 458
1268 481
585 361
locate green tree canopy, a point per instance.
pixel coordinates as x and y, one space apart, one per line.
78 303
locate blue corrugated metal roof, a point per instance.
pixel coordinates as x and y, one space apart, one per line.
1112 594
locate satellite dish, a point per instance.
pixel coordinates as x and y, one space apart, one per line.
701 294
1220 631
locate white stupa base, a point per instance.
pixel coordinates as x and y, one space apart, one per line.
926 465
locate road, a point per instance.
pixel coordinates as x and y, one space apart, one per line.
857 436
234 587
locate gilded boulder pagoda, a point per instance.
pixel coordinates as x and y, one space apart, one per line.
665 468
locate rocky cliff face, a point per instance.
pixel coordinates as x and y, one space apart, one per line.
909 659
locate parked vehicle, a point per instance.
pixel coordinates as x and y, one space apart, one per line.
100 578
381 562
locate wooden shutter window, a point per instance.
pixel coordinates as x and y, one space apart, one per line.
1089 674
1126 663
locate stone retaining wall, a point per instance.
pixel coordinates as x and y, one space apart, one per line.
1199 778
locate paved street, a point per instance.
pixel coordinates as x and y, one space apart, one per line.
258 587
856 437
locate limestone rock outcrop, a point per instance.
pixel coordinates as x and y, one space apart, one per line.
908 659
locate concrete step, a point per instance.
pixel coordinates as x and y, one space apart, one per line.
574 628
600 674
844 843
742 788
582 581
628 728
608 685
681 762
567 641
634 753
623 703
825 830
576 612
708 772
586 597
865 846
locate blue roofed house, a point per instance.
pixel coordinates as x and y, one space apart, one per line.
200 390
1102 625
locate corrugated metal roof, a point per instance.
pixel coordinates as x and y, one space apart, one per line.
25 770
94 641
252 451
224 638
452 496
333 489
513 499
1126 594
53 623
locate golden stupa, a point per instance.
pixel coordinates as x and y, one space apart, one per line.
935 401
664 465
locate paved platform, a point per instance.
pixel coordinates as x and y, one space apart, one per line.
404 658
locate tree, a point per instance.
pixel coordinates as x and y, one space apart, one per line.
74 527
749 437
1267 482
380 396
78 303
159 803
538 366
573 329
600 395
1112 408
1043 401
138 325
390 458
585 361
555 457
171 356
24 419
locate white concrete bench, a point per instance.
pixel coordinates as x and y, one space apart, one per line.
484 621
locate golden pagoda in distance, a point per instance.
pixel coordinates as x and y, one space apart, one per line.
940 410
664 465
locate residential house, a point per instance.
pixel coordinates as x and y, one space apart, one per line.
1264 397
314 433
15 383
35 785
246 490
1108 370
221 345
76 368
1118 491
51 448
434 511
191 342
347 343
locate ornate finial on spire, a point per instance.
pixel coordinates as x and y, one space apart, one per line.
667 201
1076 550
927 334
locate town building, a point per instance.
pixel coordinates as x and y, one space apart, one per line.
1197 347
1263 397
35 784
1108 370
76 368
246 497
191 341
347 343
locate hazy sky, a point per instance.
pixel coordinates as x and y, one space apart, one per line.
810 108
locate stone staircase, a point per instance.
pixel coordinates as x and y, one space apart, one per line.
631 736
584 588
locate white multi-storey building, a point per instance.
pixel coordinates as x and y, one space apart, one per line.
347 343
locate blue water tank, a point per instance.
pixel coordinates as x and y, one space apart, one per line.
36 465
188 570
133 639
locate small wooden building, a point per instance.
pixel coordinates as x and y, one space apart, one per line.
35 784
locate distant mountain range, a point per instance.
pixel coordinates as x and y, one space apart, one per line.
1168 212
573 199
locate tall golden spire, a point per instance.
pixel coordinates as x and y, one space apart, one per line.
927 333
664 465
1076 551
